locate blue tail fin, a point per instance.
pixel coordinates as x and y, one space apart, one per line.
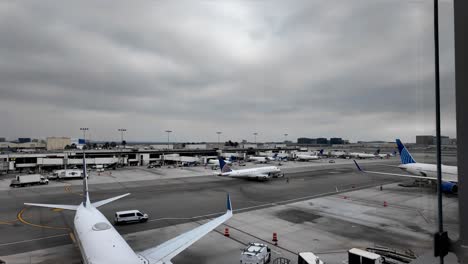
321 152
404 153
377 152
223 166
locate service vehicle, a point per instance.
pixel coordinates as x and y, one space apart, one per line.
64 174
26 180
255 253
359 256
308 258
130 216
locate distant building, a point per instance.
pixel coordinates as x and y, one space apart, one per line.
432 140
196 146
2 139
306 141
336 141
444 140
58 143
425 140
24 140
322 141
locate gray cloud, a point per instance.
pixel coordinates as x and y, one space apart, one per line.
356 69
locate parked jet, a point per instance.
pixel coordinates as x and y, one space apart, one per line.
307 157
215 162
100 243
423 170
338 154
261 173
361 155
258 159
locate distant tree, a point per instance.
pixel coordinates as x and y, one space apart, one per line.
67 147
113 144
106 145
95 146
73 146
124 143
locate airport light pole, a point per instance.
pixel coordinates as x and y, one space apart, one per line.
255 137
84 129
121 130
285 137
168 132
219 133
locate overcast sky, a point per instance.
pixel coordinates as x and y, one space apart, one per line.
361 69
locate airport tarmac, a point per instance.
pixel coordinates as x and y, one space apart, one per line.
324 208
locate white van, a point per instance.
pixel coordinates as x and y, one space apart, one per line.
130 217
255 253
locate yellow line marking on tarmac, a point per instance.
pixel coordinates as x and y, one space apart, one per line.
57 209
72 236
8 222
21 219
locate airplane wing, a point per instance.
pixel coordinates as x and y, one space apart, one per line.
106 201
393 174
171 248
59 206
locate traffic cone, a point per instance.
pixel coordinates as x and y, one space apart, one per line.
385 204
226 232
275 239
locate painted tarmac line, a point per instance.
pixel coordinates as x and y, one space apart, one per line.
32 240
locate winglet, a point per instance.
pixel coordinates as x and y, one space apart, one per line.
357 165
228 201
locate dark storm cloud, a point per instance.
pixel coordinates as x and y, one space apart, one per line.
356 69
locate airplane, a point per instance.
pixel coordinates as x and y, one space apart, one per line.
422 170
277 157
304 157
338 154
100 243
381 156
215 162
360 155
261 173
258 159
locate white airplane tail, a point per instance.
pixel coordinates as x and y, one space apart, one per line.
86 202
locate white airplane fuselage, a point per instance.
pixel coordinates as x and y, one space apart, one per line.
265 172
449 173
214 162
259 159
362 155
95 234
307 157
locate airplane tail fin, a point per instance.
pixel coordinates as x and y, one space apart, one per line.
377 152
321 152
405 156
71 207
223 166
85 182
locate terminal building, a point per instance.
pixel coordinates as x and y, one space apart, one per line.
432 140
